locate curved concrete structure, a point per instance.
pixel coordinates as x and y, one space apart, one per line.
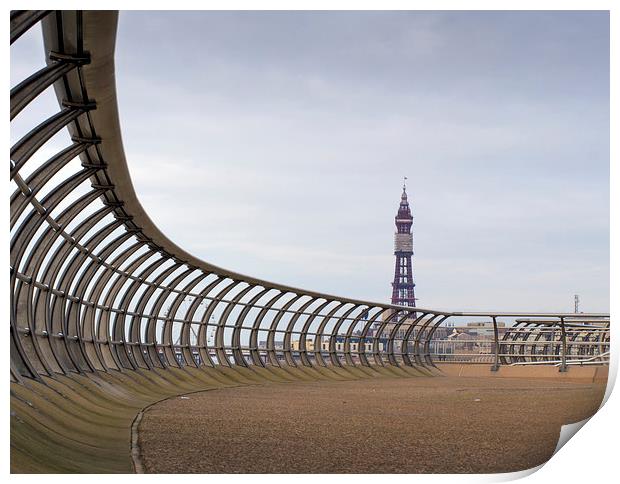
108 315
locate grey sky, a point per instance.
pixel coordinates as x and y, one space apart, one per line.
274 144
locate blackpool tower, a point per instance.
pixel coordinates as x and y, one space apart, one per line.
403 286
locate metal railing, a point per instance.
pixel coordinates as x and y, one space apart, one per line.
95 286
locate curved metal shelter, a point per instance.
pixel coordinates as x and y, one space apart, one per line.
108 315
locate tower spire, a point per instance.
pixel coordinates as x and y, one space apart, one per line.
403 287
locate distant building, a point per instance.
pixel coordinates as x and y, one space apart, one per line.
485 328
277 345
356 344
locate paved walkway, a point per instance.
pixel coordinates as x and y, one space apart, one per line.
387 425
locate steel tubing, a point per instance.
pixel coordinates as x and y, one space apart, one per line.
95 286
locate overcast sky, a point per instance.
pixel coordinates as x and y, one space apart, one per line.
274 144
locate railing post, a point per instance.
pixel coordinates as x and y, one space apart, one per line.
563 366
495 366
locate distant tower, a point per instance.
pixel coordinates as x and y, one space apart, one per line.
403 285
576 303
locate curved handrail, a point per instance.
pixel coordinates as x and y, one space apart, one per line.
96 285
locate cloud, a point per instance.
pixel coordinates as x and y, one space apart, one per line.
274 144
